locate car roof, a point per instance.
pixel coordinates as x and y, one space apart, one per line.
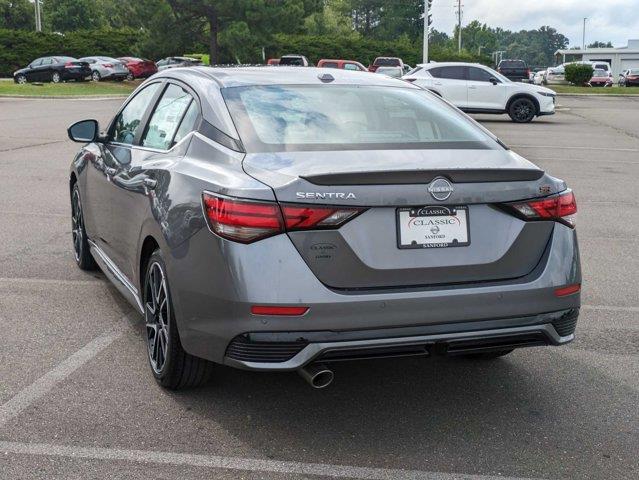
278 75
449 64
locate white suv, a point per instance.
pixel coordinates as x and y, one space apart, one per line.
475 88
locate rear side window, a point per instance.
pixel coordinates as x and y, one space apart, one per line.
166 118
187 125
350 66
329 64
129 119
454 73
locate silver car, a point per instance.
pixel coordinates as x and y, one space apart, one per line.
281 219
106 68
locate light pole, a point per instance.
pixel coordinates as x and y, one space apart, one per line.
38 15
583 37
427 21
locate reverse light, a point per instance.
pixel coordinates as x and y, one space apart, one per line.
561 208
278 310
247 221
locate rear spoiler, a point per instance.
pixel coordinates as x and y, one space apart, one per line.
404 177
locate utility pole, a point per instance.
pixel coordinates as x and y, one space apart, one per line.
459 17
38 15
427 21
583 38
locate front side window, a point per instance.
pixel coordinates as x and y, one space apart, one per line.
479 75
350 66
128 121
166 118
347 117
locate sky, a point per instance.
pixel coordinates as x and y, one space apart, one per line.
608 20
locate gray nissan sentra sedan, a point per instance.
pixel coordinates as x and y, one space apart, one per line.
283 219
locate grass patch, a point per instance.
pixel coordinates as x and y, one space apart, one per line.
68 88
595 90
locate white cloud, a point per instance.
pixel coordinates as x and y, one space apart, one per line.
608 20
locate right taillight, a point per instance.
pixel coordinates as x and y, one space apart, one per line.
561 208
247 221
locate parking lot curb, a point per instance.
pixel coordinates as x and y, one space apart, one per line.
600 95
65 97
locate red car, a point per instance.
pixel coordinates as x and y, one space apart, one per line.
139 67
600 78
386 62
343 64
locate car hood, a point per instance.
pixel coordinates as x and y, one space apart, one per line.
532 88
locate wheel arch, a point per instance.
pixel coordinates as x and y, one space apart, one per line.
517 96
149 245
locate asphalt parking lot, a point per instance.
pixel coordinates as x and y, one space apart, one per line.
77 400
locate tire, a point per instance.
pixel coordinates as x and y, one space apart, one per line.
488 355
522 110
95 76
21 79
81 250
130 77
55 77
171 366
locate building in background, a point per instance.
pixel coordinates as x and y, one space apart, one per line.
619 58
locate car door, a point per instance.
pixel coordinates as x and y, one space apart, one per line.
142 180
107 162
32 72
485 91
450 82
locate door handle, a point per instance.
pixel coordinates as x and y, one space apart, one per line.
110 171
150 183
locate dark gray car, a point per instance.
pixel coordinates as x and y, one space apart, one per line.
283 219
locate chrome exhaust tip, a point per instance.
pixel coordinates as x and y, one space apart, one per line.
317 375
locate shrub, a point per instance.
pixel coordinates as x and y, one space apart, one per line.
578 73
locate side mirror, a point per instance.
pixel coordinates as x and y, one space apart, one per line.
493 80
84 131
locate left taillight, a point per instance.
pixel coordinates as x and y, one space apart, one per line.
561 208
70 65
247 221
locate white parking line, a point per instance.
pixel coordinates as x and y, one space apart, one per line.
23 399
49 281
235 463
610 308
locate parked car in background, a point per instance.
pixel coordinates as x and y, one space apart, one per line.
394 72
273 61
342 64
386 62
555 76
629 78
475 88
139 67
539 76
261 220
515 70
600 78
294 60
106 68
175 62
53 69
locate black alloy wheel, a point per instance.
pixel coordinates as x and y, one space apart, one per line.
522 110
81 250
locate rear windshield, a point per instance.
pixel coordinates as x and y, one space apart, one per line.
299 61
387 62
599 73
512 64
348 117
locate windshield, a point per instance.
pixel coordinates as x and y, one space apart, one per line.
599 73
633 71
387 62
347 117
512 64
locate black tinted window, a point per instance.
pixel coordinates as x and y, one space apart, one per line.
128 122
455 73
479 75
512 64
387 62
298 61
329 64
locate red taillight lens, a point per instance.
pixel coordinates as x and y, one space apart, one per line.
278 310
107 65
305 217
69 65
246 221
561 208
567 290
241 220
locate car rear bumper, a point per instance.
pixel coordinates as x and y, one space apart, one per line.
75 75
214 287
278 351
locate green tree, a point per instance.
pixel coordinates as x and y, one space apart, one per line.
70 15
250 21
16 14
598 44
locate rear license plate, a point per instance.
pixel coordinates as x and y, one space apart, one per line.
433 227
